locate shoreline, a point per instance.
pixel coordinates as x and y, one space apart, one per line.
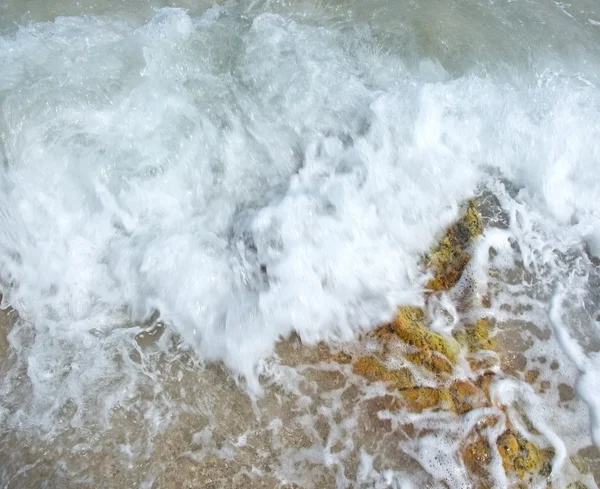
389 387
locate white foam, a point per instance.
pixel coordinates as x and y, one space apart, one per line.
251 175
588 384
150 195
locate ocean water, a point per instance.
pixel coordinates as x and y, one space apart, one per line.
183 184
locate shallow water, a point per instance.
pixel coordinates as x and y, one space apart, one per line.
187 183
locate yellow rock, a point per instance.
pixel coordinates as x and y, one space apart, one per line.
477 456
342 358
421 398
466 396
433 351
374 371
431 361
476 337
508 447
520 456
449 259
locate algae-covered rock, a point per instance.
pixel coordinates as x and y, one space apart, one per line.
408 338
520 456
342 357
476 336
477 456
448 260
374 371
431 350
508 447
466 396
428 349
420 398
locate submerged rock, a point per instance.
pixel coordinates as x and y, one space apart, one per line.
419 367
521 457
476 337
418 399
477 456
467 396
429 349
374 371
449 258
438 354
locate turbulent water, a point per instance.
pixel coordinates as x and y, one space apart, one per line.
217 177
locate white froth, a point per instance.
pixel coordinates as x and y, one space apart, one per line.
130 186
246 176
588 383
